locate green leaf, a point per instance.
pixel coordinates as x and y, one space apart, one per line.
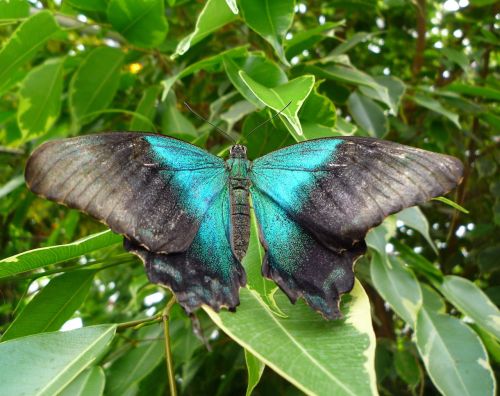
11 185
453 355
368 115
301 346
318 109
142 22
39 258
89 383
52 306
474 90
173 121
214 15
307 39
255 368
407 367
260 69
147 108
414 218
395 88
205 63
14 9
134 365
88 5
397 285
353 76
351 42
95 83
23 45
452 204
436 107
418 262
377 237
40 98
471 301
50 361
457 57
432 299
270 19
236 112
294 92
232 4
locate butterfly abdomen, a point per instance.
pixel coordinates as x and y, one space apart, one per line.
240 208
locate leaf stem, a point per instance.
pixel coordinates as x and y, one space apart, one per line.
168 348
140 322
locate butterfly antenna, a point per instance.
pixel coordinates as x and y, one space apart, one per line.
210 123
269 119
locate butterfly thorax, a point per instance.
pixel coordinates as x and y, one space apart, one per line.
239 183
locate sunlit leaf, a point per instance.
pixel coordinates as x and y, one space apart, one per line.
142 22
301 346
89 383
52 306
23 45
94 84
50 361
38 258
40 98
255 369
14 9
293 94
414 218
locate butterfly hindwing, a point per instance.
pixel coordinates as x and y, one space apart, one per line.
152 189
330 192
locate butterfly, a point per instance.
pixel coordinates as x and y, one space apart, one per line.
186 212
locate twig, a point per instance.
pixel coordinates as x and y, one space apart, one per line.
168 348
418 60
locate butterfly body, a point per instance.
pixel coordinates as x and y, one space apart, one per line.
186 212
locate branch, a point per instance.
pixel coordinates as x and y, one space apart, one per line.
418 60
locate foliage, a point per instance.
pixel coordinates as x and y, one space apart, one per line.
424 73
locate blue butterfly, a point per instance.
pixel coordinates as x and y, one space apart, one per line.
186 212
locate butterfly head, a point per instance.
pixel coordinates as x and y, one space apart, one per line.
238 151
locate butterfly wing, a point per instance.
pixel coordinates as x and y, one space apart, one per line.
328 193
207 272
167 197
150 188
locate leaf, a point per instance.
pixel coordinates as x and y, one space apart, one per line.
95 83
452 204
414 218
395 88
214 15
418 262
142 22
471 301
368 115
40 99
50 361
435 106
147 108
23 45
397 285
307 39
255 368
11 185
407 367
232 4
294 92
173 121
88 5
351 42
318 109
39 258
14 9
260 69
236 112
202 64
432 300
270 19
134 365
300 347
89 383
52 306
457 57
353 76
453 355
474 90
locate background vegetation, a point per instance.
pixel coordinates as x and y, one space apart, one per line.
421 72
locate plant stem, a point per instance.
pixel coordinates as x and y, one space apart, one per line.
140 322
168 349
